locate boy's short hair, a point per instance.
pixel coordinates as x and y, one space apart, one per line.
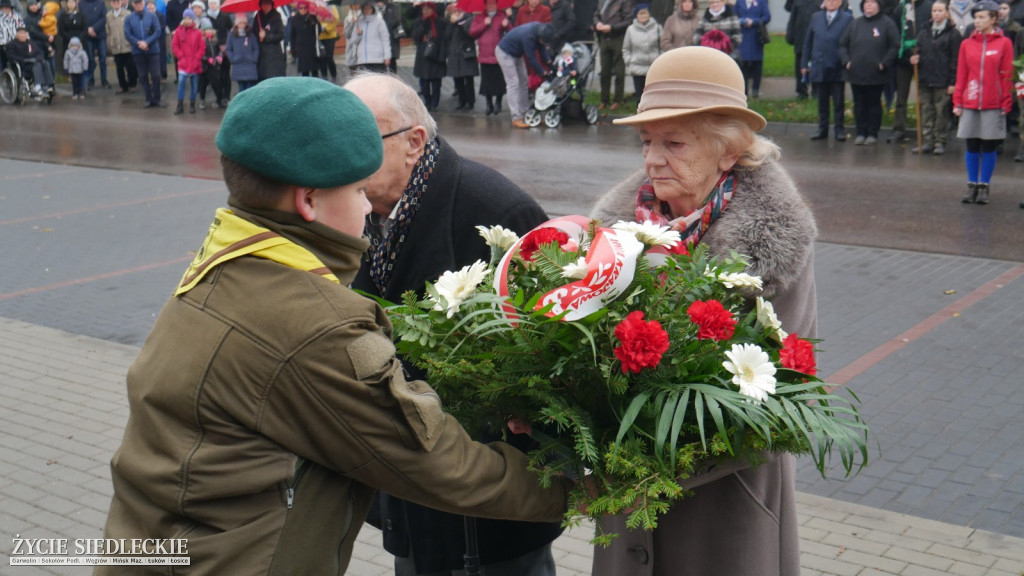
250 187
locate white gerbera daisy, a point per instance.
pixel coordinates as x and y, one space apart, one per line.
766 317
753 371
456 287
577 269
650 233
740 280
500 238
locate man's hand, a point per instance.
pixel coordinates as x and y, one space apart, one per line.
92 32
143 45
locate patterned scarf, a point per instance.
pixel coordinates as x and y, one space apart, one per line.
691 226
384 248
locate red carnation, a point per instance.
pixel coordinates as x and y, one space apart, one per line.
679 249
643 343
712 319
797 354
534 240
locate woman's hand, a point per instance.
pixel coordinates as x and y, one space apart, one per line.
957 111
915 59
519 426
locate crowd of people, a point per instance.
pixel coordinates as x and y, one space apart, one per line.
961 51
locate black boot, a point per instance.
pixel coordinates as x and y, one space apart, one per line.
972 193
982 193
192 106
497 105
490 106
180 108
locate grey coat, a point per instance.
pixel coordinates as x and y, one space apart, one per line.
740 521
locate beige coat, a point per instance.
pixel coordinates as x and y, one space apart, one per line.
740 521
678 30
266 406
116 41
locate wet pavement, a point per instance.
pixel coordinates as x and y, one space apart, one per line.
881 196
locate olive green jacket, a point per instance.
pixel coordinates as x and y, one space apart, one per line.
266 407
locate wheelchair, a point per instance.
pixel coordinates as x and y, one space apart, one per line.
15 87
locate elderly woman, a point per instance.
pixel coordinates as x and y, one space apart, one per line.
709 175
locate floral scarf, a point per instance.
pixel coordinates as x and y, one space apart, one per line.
384 248
692 226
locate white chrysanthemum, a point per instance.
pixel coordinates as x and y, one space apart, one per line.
753 371
577 269
766 317
456 287
740 280
650 233
500 238
710 272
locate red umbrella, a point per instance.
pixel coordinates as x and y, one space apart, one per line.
476 5
248 5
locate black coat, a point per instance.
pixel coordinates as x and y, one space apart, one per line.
563 20
272 62
821 46
70 25
461 195
423 67
304 40
459 42
800 12
392 16
866 44
937 67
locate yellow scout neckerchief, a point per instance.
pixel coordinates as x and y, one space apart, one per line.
231 237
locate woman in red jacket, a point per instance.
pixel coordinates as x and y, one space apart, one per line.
188 46
982 97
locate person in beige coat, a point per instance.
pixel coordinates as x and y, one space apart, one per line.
678 29
119 48
267 405
709 175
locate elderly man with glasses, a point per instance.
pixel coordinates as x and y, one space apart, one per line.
427 202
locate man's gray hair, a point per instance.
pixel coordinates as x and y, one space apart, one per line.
404 101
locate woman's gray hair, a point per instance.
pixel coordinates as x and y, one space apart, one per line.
405 102
731 135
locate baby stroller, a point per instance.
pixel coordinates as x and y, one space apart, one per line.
566 94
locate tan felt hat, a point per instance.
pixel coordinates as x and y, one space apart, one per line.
692 80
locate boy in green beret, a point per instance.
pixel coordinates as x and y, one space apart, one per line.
267 405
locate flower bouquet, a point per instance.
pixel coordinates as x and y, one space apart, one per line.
635 360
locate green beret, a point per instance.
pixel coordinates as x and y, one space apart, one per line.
303 131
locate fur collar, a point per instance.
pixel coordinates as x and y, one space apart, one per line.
767 221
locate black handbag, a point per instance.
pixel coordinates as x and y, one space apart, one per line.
432 50
469 51
762 34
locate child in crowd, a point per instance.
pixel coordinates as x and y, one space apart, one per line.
188 48
243 51
938 47
76 62
212 59
565 64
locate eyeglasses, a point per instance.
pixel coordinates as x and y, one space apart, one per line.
395 133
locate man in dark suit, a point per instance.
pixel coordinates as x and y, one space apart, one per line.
427 202
822 66
800 12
